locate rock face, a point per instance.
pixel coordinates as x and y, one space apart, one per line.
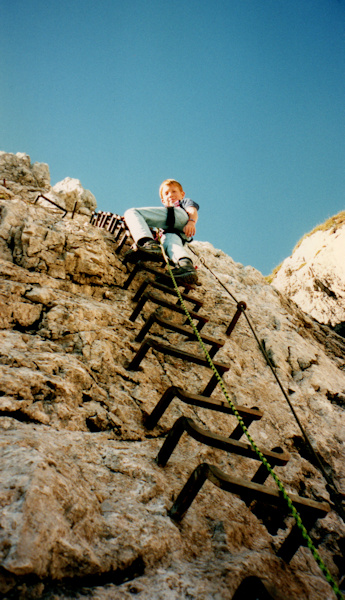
72 193
84 505
314 275
18 168
32 182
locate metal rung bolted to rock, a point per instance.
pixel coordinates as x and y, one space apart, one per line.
105 220
248 491
121 229
52 202
165 304
138 268
112 223
138 253
185 424
125 237
215 344
241 306
159 273
262 473
197 304
248 415
177 353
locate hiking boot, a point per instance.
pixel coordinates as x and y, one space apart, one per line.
185 272
151 247
149 250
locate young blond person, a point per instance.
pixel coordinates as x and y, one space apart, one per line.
177 218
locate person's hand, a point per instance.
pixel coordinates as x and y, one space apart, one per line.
166 202
189 229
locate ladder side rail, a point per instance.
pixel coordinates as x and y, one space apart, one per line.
295 538
122 242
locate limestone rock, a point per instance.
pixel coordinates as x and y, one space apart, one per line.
84 505
40 240
314 275
71 192
18 168
5 193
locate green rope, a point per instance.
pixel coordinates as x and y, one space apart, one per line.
280 485
334 492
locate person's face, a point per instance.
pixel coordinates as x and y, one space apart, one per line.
171 193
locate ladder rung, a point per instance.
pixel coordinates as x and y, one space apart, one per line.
139 255
295 539
126 236
172 351
120 230
165 304
104 219
162 275
111 226
248 414
167 290
247 490
176 352
187 331
241 307
215 441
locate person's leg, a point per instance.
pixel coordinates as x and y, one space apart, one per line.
139 221
173 246
184 272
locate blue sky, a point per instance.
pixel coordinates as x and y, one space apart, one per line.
243 101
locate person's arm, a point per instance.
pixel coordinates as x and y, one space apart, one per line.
189 229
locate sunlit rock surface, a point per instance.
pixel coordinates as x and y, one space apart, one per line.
83 503
72 193
314 275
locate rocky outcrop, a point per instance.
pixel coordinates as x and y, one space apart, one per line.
71 193
18 168
84 505
314 275
21 179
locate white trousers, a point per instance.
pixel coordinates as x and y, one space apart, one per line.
139 221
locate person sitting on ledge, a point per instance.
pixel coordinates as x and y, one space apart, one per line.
177 218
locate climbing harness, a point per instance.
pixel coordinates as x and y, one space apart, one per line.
170 218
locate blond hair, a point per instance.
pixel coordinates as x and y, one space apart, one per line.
169 182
